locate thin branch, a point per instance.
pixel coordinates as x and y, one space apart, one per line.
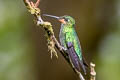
92 71
37 3
81 76
51 39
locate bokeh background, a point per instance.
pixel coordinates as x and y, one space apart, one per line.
23 49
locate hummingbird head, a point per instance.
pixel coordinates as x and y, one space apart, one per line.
66 20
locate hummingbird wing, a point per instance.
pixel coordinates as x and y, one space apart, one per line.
76 58
78 49
73 57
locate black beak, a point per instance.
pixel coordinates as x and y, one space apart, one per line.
56 17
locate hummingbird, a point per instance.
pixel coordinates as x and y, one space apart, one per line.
70 42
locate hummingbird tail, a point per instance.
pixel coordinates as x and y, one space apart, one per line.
83 66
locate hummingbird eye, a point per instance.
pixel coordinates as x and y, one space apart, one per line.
67 20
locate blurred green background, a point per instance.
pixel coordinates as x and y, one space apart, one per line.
23 49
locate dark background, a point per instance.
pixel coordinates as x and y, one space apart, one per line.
23 50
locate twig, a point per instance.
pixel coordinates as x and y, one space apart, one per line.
37 3
34 10
92 71
51 39
81 76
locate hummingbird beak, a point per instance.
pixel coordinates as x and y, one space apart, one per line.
56 17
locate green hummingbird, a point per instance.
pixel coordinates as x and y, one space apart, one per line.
70 42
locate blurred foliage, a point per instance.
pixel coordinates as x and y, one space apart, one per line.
15 53
23 50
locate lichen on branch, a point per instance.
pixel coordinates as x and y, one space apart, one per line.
34 10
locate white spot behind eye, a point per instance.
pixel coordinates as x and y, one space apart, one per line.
68 20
